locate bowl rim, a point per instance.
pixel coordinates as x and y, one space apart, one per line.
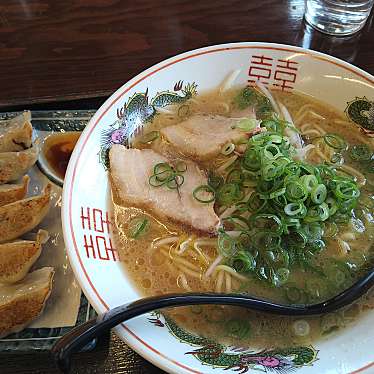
135 342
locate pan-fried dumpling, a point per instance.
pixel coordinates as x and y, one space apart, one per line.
22 216
16 258
22 302
16 133
15 164
10 193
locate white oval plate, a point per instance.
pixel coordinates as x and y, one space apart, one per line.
85 200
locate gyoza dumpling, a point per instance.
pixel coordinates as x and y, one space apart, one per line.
16 258
22 216
15 164
22 302
13 192
16 133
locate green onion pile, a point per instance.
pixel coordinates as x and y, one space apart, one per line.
281 225
293 208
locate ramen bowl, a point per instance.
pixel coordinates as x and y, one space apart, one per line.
88 223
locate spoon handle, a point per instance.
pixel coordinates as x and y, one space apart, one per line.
80 336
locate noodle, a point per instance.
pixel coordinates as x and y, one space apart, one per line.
301 110
348 236
228 212
228 282
191 273
361 180
311 132
182 278
232 271
219 281
226 164
228 81
267 93
213 266
184 246
317 115
160 242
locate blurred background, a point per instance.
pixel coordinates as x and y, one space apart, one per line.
78 49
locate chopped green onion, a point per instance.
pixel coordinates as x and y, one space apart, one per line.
246 124
215 181
336 275
361 152
277 193
245 98
318 213
270 125
335 141
331 322
227 149
226 244
229 193
294 295
267 222
292 169
346 189
337 158
280 276
318 194
271 152
251 160
176 182
296 192
332 205
309 181
331 229
149 137
293 209
271 171
301 327
255 203
138 227
244 262
164 174
238 222
313 230
204 194
235 176
161 167
238 328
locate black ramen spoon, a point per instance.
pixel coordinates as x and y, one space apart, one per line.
79 337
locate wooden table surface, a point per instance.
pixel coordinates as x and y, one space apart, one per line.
74 53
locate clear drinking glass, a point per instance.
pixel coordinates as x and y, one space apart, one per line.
338 17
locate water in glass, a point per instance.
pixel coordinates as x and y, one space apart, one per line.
338 17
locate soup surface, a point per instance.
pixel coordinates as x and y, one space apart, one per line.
295 202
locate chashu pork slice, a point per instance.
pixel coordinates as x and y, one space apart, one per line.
22 302
130 171
202 137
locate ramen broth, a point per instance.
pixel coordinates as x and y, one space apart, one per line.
156 265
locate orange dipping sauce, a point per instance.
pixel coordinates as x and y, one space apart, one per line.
58 149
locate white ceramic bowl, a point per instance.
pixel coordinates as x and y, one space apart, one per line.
86 190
